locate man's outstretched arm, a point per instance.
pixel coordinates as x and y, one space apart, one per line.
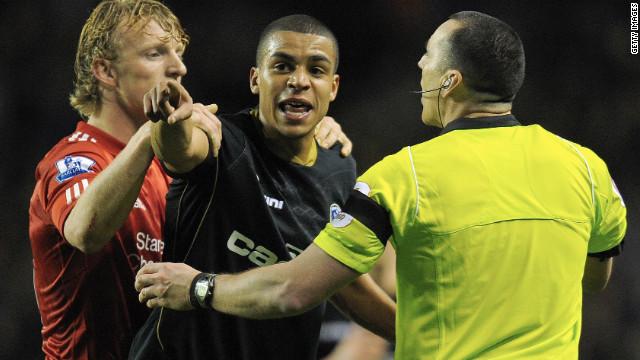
275 291
175 137
284 289
279 290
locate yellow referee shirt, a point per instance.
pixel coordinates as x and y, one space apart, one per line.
491 222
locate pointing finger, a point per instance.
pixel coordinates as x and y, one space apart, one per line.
213 108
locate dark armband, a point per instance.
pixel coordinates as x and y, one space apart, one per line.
370 214
604 255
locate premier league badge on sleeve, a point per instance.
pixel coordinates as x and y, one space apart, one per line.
71 166
334 211
339 219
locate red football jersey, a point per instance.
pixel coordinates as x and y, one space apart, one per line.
88 303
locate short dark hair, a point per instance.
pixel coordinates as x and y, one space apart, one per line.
489 54
299 23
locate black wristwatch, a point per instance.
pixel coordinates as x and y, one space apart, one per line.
201 292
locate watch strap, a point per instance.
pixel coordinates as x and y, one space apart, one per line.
193 299
209 296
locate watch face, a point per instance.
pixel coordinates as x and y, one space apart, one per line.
201 288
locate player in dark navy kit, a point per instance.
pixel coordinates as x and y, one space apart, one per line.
260 199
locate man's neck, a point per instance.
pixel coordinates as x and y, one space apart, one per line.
486 114
299 151
477 111
115 123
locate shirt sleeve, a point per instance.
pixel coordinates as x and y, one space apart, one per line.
66 179
353 245
610 223
357 236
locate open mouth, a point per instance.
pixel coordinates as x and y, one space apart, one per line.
294 107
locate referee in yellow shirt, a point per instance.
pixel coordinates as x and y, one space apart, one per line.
498 227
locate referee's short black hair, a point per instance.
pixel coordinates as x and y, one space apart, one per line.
489 54
299 23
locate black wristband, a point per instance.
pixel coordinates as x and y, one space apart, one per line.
196 297
192 291
209 297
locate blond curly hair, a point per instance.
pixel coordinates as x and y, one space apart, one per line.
100 38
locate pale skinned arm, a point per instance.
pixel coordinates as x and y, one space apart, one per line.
105 205
175 136
596 274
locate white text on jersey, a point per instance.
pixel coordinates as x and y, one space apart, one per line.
80 136
275 203
258 255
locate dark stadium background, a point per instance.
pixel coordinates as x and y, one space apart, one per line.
582 83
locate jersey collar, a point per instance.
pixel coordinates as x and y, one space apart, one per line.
313 151
464 123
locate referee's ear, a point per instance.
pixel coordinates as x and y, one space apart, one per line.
451 81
